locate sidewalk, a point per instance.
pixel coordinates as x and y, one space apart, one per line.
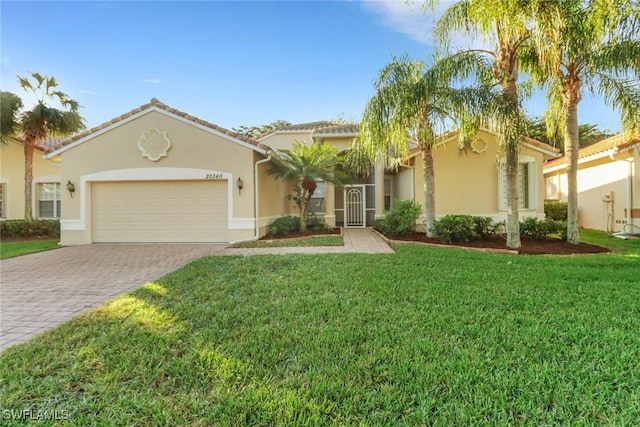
356 240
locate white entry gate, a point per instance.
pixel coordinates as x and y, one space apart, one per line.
354 206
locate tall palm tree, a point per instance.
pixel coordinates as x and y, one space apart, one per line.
306 165
10 105
410 107
595 47
507 26
42 122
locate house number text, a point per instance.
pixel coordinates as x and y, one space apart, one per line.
213 176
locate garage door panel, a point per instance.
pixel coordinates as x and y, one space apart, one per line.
160 211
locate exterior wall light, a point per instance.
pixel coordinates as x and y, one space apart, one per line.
240 185
71 188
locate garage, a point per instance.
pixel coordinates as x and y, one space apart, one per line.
159 211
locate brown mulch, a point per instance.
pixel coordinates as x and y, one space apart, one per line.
529 246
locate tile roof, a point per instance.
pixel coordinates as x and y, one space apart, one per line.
619 141
322 127
155 103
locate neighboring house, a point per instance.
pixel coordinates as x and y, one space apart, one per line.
471 183
156 174
46 183
608 182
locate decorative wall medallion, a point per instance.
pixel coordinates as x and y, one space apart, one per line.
479 145
154 144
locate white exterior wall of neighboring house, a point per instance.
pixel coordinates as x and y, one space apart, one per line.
608 183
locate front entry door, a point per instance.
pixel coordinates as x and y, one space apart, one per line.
354 206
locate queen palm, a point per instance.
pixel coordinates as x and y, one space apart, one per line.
595 47
306 165
508 27
409 108
42 122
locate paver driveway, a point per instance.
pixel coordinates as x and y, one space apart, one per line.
42 290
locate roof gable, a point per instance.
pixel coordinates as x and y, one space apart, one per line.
157 106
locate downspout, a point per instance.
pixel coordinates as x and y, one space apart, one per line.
630 174
256 210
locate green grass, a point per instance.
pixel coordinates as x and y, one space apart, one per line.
421 337
309 241
24 247
601 238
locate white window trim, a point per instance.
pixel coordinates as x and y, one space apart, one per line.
533 183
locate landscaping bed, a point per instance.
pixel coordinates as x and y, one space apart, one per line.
549 245
303 234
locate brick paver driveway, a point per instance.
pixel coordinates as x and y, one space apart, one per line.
42 290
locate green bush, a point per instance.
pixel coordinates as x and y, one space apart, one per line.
455 228
17 228
485 227
316 223
283 226
401 219
556 211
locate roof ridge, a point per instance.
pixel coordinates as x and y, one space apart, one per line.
154 102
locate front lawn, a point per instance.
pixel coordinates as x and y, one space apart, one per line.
23 247
421 337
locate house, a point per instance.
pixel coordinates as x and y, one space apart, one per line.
608 182
157 174
471 183
46 188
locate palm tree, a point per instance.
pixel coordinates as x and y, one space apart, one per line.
42 122
308 164
506 25
10 105
411 105
595 47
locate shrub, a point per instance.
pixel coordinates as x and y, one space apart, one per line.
556 211
17 228
455 228
485 227
401 219
283 226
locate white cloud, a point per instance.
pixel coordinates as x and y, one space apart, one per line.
403 17
154 81
411 18
90 92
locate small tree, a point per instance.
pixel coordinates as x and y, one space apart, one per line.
308 164
42 122
10 105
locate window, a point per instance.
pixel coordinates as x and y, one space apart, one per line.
526 186
388 196
2 201
317 204
49 200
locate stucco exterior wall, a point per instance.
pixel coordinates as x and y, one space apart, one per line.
195 154
12 176
469 183
272 199
284 140
602 191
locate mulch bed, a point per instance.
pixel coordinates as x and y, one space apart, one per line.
530 246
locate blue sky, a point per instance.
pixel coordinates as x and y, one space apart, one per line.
230 63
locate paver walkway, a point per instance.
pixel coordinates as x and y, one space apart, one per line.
43 290
358 240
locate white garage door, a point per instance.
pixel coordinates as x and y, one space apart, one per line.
159 211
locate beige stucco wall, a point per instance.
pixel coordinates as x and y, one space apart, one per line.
272 198
284 140
12 176
194 154
468 183
596 179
